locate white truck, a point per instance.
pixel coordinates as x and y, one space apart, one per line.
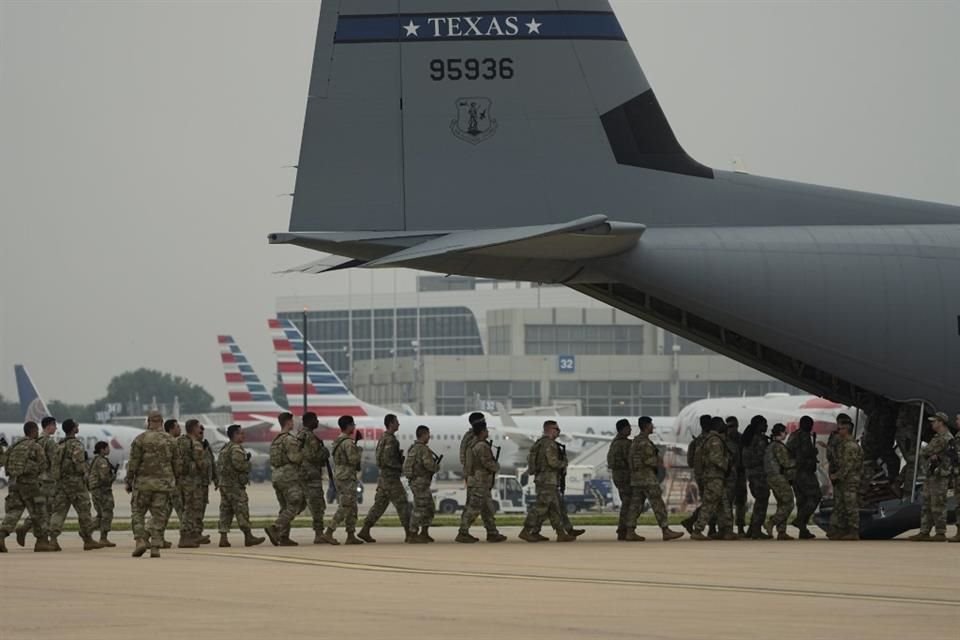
507 497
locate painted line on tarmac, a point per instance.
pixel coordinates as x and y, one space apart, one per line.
685 586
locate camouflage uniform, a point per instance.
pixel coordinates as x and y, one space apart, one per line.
69 472
692 449
753 456
285 460
711 464
906 436
234 476
389 487
419 467
618 462
25 491
548 466
736 484
644 461
100 482
193 481
48 488
176 499
346 461
486 506
780 469
846 487
152 472
213 477
806 485
481 471
315 458
938 472
833 445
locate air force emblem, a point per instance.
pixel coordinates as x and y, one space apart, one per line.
473 123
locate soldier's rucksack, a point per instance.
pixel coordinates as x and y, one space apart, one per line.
533 458
16 462
408 465
277 459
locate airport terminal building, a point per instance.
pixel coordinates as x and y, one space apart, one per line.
458 344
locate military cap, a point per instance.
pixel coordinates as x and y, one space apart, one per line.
941 416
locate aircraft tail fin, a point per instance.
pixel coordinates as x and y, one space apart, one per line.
250 401
422 116
32 405
327 395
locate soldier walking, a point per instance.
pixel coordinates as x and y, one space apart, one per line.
846 484
152 472
193 480
69 471
780 468
25 463
420 465
480 469
936 482
212 477
618 462
546 464
753 448
346 466
486 506
692 449
48 486
389 487
806 485
285 459
315 458
171 428
645 461
736 478
234 475
711 464
100 482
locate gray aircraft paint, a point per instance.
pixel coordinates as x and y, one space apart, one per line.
846 294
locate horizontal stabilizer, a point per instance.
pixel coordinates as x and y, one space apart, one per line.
325 265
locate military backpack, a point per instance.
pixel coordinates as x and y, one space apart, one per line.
17 459
533 458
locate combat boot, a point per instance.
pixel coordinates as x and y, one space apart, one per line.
409 535
669 534
328 537
285 540
54 543
140 548
43 544
352 539
923 536
224 541
741 532
271 532
938 537
728 535
528 536
631 536
850 535
89 544
187 542
417 538
365 534
688 525
465 538
154 552
203 539
563 536
21 535
249 540
576 533
496 537
3 543
621 532
698 535
806 534
783 535
425 534
955 538
104 542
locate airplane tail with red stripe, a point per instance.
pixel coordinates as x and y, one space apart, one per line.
250 401
327 395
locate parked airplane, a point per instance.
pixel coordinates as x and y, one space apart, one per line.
527 143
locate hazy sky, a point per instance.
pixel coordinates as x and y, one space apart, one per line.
142 147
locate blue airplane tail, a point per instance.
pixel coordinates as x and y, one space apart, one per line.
31 404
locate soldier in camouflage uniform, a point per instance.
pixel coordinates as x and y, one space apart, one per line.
234 475
100 482
25 462
48 486
806 485
286 456
466 446
736 485
389 487
152 472
346 466
211 478
420 465
480 469
711 465
846 485
781 470
908 418
69 470
315 458
936 482
172 429
692 448
753 448
546 464
833 442
618 462
645 461
193 480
